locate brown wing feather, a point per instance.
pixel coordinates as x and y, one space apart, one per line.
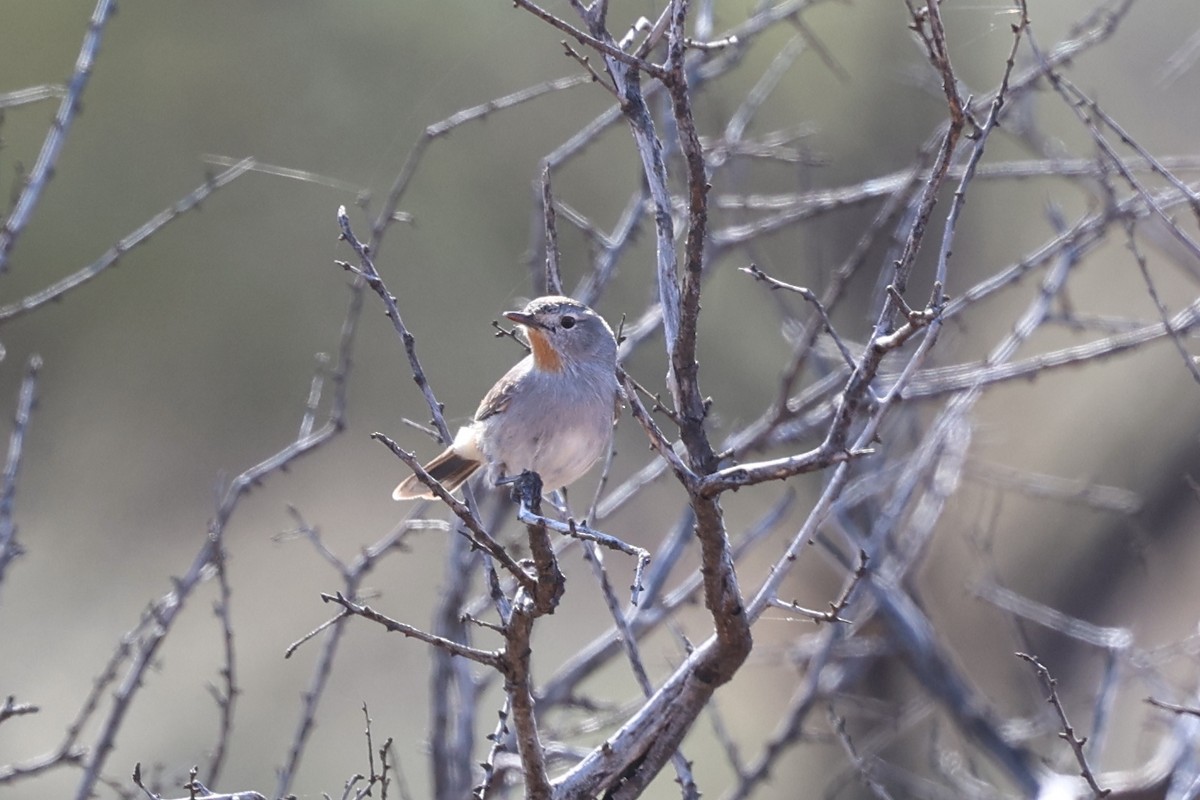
500 395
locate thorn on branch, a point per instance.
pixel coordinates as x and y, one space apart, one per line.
836 607
586 63
1067 733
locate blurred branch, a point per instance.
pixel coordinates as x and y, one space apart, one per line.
160 618
10 548
388 213
1174 708
227 693
32 94
56 138
188 202
11 708
352 575
947 380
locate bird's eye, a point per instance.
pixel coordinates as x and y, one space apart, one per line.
567 321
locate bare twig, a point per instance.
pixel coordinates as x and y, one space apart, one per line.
11 708
605 46
1174 708
1067 733
837 606
485 657
587 65
777 469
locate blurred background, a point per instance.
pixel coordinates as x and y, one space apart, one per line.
191 360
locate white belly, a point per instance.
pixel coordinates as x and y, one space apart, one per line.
559 450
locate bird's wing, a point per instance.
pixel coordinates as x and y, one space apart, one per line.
501 394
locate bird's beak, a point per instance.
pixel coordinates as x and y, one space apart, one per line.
521 318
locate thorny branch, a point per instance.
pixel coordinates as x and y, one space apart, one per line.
485 657
479 536
1067 734
887 476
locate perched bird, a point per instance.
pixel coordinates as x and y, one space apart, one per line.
552 413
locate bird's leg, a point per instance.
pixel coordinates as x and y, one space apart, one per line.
526 489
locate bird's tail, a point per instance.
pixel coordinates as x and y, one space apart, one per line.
450 468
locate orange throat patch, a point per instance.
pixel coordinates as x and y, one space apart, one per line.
544 355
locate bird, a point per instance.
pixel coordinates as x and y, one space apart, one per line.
552 413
